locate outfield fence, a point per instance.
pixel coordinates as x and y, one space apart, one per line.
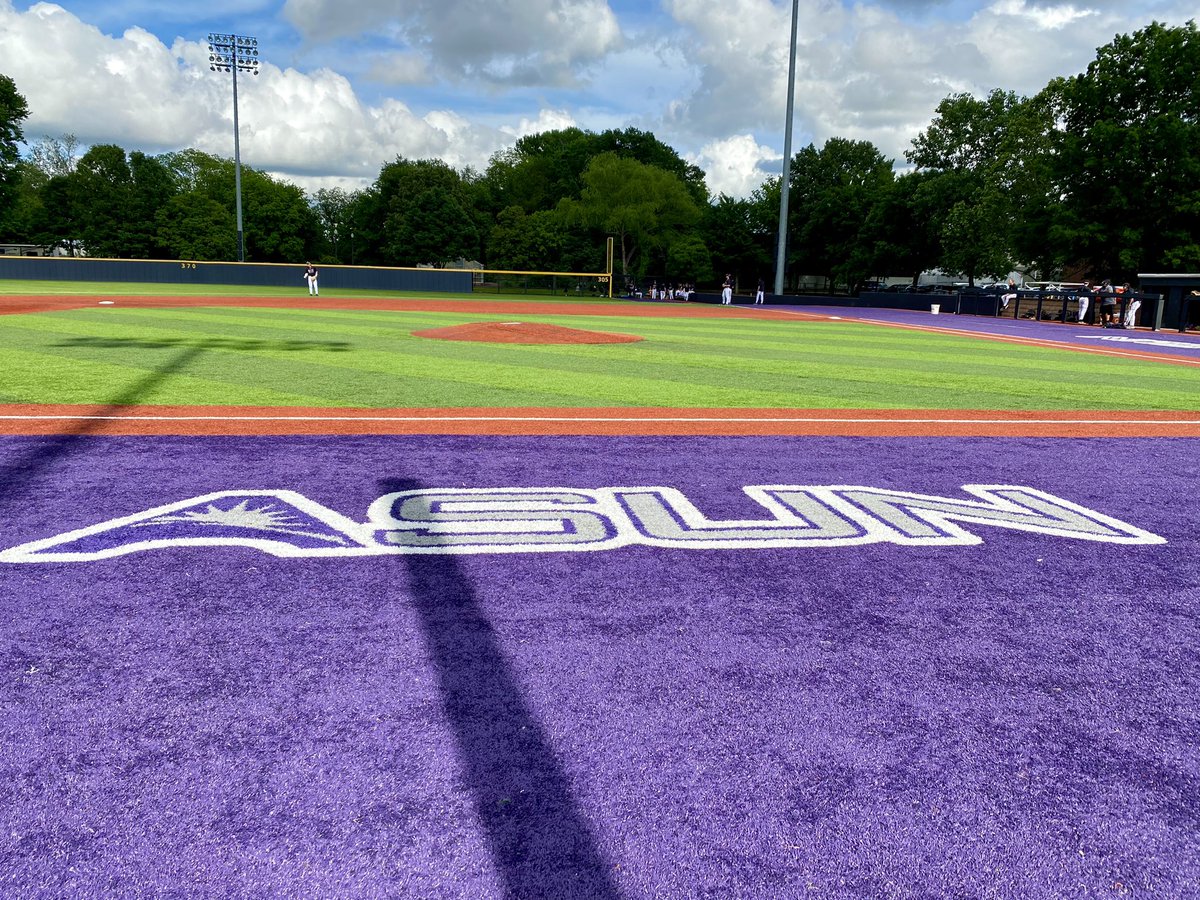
549 284
175 272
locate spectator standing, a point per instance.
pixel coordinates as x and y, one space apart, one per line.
1108 305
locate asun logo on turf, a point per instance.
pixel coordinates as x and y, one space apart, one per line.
542 520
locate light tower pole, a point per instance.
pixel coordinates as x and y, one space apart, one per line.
231 53
787 158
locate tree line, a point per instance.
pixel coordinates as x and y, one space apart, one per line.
1097 175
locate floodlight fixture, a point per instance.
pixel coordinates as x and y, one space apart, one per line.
234 53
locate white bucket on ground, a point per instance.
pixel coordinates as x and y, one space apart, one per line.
935 308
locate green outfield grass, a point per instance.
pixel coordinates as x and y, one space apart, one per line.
248 356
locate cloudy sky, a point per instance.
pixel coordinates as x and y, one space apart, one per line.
347 85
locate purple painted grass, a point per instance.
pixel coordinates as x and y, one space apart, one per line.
1016 719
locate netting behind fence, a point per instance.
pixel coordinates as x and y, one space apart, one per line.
546 284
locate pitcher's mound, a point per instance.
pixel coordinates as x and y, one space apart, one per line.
524 333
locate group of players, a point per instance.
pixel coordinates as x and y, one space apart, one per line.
1108 297
656 291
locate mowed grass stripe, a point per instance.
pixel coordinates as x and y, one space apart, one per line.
700 364
794 339
1144 385
819 340
815 345
104 382
442 374
372 379
850 375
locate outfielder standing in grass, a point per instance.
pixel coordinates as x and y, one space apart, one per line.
310 275
727 291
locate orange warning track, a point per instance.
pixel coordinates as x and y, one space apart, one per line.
246 420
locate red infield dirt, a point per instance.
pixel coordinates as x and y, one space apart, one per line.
524 333
247 420
34 304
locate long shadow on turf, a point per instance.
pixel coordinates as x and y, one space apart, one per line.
210 343
539 839
17 475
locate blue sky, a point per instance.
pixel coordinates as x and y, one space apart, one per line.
348 86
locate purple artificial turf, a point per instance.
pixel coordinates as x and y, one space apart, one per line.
1013 719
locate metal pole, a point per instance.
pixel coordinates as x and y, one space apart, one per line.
609 253
237 162
787 157
228 53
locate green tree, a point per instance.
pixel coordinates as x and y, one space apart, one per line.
688 259
526 242
332 207
989 153
1128 157
833 191
62 214
971 241
542 169
633 143
433 229
102 188
386 218
278 223
26 215
903 229
153 186
13 111
194 226
735 241
645 208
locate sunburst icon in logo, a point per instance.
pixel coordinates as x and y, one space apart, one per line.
242 515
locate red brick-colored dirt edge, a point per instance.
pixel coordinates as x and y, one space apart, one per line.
13 304
246 420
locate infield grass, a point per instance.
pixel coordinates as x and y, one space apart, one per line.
313 357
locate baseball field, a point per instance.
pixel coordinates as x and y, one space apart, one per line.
475 597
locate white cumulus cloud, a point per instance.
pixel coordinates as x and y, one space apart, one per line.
312 128
735 166
520 42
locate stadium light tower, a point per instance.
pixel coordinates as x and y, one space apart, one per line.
787 158
234 53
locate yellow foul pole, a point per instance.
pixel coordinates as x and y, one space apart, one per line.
610 267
